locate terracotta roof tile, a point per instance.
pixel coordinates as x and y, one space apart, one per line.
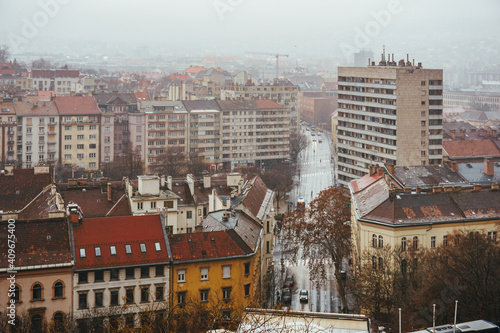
268 104
119 231
255 196
17 190
76 105
34 106
39 242
470 148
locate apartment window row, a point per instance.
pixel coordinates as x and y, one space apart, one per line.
114 296
226 272
204 294
37 292
114 273
377 242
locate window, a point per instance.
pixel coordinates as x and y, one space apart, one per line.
246 287
82 300
226 293
204 273
98 276
153 205
37 292
98 299
422 123
67 137
83 277
247 268
422 83
97 251
199 212
113 297
267 228
140 206
374 262
145 272
112 250
445 240
492 236
181 297
226 272
403 243
181 275
422 153
422 113
17 294
433 242
374 240
114 274
189 214
144 294
159 293
422 103
80 146
380 263
129 295
268 247
159 270
143 247
404 266
92 165
82 253
415 243
68 147
93 127
92 155
130 273
128 249
157 246
204 295
169 204
380 241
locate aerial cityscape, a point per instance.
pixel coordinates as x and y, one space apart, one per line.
236 166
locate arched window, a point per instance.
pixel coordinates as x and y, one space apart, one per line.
17 294
59 322
58 289
403 243
415 243
374 262
380 263
404 266
36 324
36 292
380 241
374 240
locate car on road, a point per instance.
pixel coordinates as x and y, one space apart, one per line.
320 140
314 140
286 295
304 296
312 134
307 129
289 281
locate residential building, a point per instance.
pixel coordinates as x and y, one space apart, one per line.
120 263
43 288
390 113
204 130
79 132
152 195
282 92
386 212
215 269
316 108
137 134
8 132
38 132
116 109
166 126
62 81
472 99
254 131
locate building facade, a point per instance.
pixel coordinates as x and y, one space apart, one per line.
390 113
8 133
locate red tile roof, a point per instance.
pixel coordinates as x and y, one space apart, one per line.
365 181
268 104
17 190
119 231
39 242
470 148
77 105
255 196
143 95
33 106
181 77
203 245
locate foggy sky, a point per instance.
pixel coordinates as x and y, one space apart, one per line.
300 28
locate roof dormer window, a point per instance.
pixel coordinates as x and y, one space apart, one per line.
157 246
97 251
112 249
82 253
143 247
128 249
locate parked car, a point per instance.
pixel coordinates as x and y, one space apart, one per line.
320 140
289 281
286 295
304 296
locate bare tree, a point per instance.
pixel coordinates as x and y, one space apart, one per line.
173 163
129 164
297 144
322 232
279 179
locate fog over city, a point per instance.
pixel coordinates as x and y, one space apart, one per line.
434 32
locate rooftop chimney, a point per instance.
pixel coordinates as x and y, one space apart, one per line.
489 167
373 170
109 192
169 182
462 133
162 181
452 133
206 182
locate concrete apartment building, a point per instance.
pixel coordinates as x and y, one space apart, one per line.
204 130
8 130
38 139
390 113
282 92
254 131
62 81
79 131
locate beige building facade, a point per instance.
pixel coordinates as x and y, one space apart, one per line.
389 113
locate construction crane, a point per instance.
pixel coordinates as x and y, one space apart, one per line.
277 55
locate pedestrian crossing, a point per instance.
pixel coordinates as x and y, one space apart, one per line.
314 174
305 262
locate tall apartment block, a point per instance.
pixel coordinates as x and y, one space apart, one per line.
390 113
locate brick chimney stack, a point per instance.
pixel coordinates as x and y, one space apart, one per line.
488 167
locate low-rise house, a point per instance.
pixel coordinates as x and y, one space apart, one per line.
121 268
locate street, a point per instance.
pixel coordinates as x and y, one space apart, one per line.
315 173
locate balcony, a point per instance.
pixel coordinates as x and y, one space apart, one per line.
435 87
